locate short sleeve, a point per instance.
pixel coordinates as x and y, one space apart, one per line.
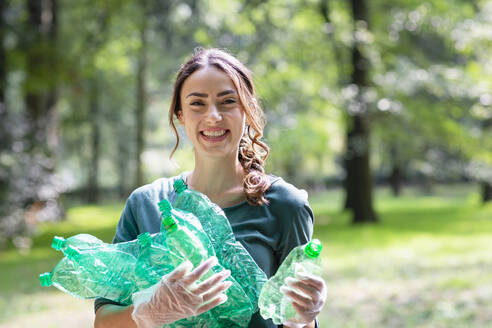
294 217
299 230
127 228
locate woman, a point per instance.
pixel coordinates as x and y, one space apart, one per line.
214 100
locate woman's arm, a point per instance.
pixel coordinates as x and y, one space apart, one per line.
110 315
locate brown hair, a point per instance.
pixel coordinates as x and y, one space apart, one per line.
252 151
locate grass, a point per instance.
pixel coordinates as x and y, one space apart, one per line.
428 263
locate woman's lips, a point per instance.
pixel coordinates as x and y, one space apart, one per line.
211 138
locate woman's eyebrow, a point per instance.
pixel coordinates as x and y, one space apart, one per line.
204 95
226 92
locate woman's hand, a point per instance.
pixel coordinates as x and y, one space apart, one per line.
308 295
177 296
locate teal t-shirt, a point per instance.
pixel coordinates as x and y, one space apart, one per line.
268 232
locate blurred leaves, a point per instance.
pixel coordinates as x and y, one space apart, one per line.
430 95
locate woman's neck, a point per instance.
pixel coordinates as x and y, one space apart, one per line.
216 177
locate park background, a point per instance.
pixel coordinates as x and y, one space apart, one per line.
381 109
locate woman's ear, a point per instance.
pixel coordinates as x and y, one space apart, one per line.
179 115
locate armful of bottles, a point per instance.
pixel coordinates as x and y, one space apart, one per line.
121 271
194 230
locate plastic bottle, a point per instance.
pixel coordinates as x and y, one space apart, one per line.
231 254
81 241
189 243
304 258
89 275
107 272
180 239
65 276
154 261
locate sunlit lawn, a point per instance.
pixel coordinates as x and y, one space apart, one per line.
427 264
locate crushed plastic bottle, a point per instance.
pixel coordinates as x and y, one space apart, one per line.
154 261
181 239
195 246
92 273
302 259
66 277
107 272
231 253
81 241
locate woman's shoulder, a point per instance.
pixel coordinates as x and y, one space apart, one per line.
285 195
161 188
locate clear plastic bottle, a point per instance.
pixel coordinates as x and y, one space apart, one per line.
154 261
304 258
66 277
231 254
107 272
189 243
93 273
81 241
179 238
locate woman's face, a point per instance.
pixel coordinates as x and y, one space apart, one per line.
211 113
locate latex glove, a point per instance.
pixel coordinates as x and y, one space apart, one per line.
308 296
178 296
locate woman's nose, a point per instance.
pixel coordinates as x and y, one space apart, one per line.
213 114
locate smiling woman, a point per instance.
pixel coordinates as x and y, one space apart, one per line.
214 100
220 87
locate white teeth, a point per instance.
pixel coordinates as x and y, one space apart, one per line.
217 133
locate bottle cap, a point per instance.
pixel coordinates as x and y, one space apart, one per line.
180 185
58 242
313 248
144 239
165 208
45 279
72 253
169 223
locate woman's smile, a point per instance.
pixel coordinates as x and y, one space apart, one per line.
214 135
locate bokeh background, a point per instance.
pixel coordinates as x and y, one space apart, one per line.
381 109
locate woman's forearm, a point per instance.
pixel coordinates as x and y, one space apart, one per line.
110 315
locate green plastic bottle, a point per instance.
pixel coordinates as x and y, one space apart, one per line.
65 276
189 242
304 258
231 253
81 241
181 239
90 275
154 261
108 272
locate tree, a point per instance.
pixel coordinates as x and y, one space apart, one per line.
4 135
358 182
141 90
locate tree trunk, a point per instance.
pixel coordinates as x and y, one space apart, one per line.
93 182
486 192
123 155
358 182
396 176
40 87
40 94
395 180
141 103
4 128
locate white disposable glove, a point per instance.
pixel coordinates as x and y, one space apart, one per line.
178 296
308 296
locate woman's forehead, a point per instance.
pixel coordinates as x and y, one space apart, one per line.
208 78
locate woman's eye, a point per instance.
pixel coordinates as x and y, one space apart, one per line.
229 101
196 103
